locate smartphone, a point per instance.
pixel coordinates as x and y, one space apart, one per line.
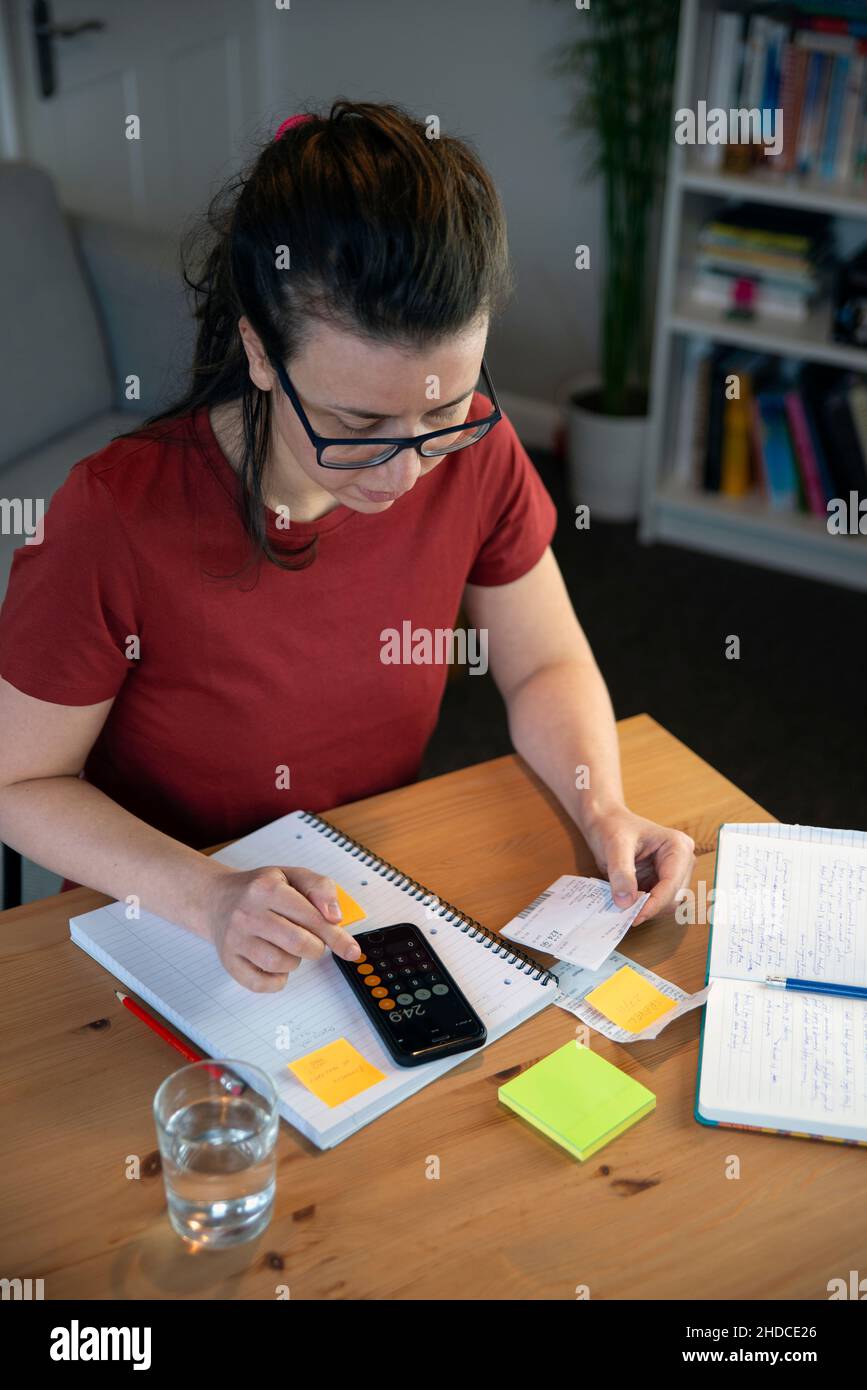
410 998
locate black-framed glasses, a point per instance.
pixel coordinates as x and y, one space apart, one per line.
369 452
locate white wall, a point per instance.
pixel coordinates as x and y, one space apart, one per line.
482 67
10 139
208 78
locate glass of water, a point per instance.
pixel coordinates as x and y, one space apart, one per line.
217 1127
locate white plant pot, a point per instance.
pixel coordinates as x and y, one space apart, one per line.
606 454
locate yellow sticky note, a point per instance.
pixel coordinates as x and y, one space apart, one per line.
336 1072
630 1000
350 910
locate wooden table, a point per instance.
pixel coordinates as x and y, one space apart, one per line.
511 1216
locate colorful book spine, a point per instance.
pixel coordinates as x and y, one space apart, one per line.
836 97
775 452
805 453
777 36
849 118
735 470
793 117
808 128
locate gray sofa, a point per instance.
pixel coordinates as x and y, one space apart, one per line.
84 304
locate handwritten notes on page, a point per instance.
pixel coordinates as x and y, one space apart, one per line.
576 920
785 1060
633 1004
789 907
336 1073
788 900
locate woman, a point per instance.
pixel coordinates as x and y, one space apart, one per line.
197 645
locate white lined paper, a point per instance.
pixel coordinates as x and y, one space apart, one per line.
793 907
790 900
180 975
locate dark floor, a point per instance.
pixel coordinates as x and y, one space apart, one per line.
787 722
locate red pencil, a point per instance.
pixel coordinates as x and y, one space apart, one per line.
164 1033
234 1086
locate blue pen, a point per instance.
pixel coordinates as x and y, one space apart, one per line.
816 986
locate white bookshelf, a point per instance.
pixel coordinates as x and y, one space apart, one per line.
739 528
819 195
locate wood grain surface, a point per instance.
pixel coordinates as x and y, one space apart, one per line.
511 1215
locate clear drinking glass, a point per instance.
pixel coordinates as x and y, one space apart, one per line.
217 1127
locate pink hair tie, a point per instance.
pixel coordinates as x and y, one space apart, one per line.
289 123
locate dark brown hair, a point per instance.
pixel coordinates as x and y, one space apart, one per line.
391 234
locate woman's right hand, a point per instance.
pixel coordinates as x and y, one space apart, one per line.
264 922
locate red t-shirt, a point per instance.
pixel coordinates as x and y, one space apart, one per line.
238 678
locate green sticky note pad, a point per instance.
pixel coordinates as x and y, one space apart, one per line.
578 1099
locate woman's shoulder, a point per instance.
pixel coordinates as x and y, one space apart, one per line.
143 451
141 471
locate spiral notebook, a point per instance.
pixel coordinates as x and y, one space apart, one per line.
180 976
791 901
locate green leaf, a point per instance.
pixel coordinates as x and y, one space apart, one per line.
620 66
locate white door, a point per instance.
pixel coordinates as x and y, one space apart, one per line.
186 68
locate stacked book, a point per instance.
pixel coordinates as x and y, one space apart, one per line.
813 68
766 260
793 433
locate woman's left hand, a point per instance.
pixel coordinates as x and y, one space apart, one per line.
637 855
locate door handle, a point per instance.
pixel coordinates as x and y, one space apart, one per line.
45 32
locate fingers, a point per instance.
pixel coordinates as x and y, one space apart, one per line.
297 900
620 862
266 955
247 975
270 919
674 860
320 891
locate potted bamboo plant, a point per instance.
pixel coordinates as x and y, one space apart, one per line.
620 64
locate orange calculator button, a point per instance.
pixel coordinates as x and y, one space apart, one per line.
372 980
380 993
360 960
386 1003
365 969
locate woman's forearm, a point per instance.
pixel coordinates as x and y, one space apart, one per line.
74 829
562 723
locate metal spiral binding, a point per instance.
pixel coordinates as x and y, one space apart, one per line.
447 911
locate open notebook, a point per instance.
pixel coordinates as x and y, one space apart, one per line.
181 976
788 900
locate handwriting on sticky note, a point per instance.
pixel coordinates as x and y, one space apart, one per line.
630 1000
350 910
335 1073
575 986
